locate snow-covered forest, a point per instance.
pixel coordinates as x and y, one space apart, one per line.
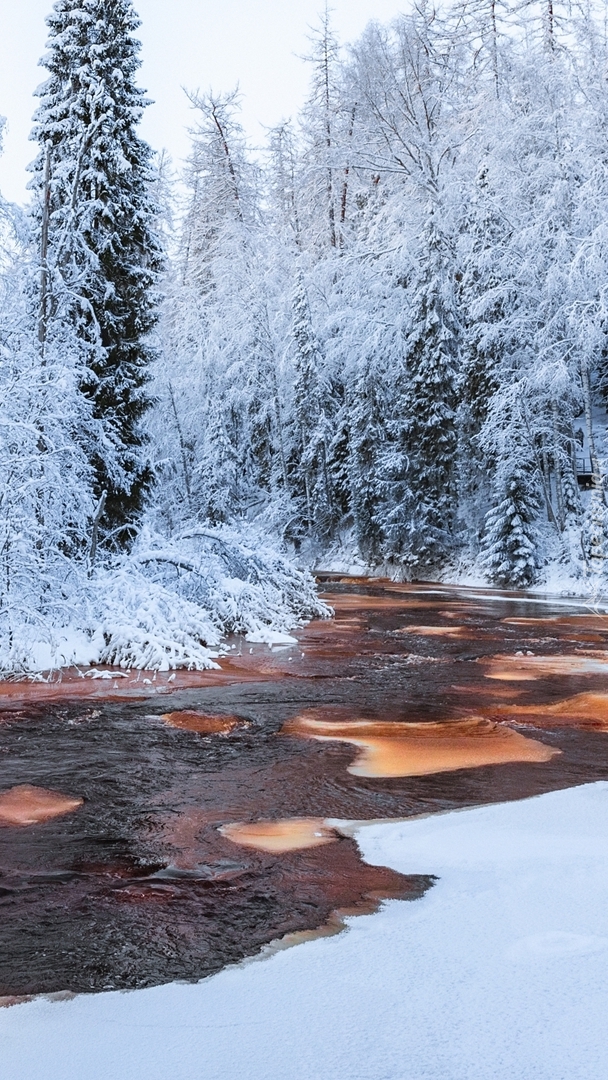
380 339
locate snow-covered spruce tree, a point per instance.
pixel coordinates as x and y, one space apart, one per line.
483 301
594 540
93 182
508 546
432 357
367 414
510 539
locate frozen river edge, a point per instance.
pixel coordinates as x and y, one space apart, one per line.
498 972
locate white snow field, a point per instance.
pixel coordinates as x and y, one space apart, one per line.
499 973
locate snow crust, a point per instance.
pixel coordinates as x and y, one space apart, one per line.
498 973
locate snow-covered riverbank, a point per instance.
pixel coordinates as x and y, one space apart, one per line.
163 606
498 973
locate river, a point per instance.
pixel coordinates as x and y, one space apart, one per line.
156 828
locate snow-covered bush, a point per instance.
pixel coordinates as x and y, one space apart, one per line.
165 605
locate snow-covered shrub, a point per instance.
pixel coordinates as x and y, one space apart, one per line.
138 623
165 605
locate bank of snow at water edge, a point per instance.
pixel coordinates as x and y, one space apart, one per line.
164 605
499 973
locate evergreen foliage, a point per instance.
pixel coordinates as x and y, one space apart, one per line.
508 546
93 183
311 403
432 364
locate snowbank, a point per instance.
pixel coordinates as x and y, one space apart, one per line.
498 973
166 605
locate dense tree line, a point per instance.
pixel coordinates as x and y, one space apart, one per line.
86 575
383 335
390 332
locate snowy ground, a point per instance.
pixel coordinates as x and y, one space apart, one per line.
498 973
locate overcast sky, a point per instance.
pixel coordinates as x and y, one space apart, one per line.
193 43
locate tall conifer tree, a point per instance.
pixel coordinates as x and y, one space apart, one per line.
93 177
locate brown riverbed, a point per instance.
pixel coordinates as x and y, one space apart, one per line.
203 829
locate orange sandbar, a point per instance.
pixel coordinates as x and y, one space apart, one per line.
28 805
289 834
529 668
581 707
202 723
418 749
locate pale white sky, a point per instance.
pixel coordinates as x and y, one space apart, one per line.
193 43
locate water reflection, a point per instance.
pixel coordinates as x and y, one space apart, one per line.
528 668
586 708
202 723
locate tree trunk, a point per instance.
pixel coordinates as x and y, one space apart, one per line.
494 46
182 447
328 137
228 155
595 463
44 252
95 531
547 486
344 199
559 490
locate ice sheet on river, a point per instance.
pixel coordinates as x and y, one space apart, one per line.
498 972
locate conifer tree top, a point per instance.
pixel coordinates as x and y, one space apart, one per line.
92 59
94 181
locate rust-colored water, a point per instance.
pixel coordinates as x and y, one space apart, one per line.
438 631
582 709
199 791
529 668
289 834
420 749
28 805
189 720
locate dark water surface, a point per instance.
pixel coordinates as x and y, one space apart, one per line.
139 887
